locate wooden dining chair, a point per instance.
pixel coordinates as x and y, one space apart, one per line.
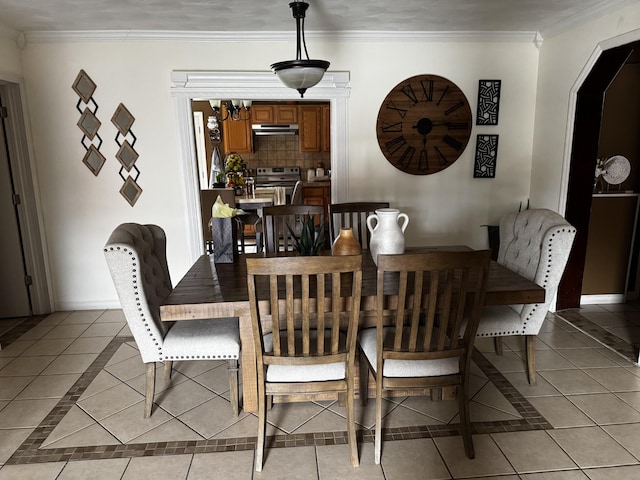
426 318
304 317
354 215
275 219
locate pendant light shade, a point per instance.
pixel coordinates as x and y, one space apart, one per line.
299 73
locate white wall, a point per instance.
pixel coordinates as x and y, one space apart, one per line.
10 62
562 61
80 210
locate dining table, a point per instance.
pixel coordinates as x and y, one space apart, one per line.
212 290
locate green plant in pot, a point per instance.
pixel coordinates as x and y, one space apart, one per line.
309 240
220 180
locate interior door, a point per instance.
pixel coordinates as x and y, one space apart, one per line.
15 293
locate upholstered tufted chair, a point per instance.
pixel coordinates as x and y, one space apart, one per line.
137 260
536 244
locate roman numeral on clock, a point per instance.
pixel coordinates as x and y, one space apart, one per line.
401 111
407 156
423 163
395 144
391 127
454 108
443 158
427 89
452 142
411 95
444 92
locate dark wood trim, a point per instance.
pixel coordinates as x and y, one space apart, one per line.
586 134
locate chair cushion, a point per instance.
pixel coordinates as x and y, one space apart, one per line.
215 338
302 373
500 320
404 368
306 373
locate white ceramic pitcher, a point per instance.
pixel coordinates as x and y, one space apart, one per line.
387 235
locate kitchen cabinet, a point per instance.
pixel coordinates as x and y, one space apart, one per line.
236 135
274 114
315 128
319 194
310 128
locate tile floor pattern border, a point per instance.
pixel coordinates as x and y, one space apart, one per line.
30 450
594 330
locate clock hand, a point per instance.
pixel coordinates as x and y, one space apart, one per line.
423 163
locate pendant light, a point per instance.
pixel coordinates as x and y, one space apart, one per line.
300 74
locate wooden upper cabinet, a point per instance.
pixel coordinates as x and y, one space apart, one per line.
310 120
262 114
274 114
315 128
286 114
236 135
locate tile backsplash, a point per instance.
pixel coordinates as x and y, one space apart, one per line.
283 151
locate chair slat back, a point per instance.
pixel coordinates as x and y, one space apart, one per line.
311 310
275 219
354 215
433 300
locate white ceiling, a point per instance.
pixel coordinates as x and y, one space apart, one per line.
545 16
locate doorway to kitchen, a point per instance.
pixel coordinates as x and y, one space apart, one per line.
278 143
260 86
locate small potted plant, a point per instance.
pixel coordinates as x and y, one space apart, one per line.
220 180
309 240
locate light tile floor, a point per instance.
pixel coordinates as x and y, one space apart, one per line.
71 393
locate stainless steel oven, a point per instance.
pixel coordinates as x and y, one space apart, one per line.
270 177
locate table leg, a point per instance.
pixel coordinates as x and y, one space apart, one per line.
248 362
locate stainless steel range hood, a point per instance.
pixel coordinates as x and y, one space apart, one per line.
268 129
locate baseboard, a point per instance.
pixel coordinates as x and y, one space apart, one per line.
602 299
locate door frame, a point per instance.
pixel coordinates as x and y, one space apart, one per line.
581 141
201 85
26 185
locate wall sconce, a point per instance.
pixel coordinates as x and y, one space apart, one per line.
234 109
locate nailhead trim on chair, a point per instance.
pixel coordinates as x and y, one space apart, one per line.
144 320
197 357
520 254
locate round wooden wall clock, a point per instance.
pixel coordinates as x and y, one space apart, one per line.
424 124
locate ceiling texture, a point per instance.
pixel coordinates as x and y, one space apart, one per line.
328 17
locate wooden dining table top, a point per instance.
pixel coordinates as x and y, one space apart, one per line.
208 283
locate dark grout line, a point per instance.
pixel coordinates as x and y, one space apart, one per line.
607 339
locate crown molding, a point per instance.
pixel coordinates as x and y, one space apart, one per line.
185 36
599 10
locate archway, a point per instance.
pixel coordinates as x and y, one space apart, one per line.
589 98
